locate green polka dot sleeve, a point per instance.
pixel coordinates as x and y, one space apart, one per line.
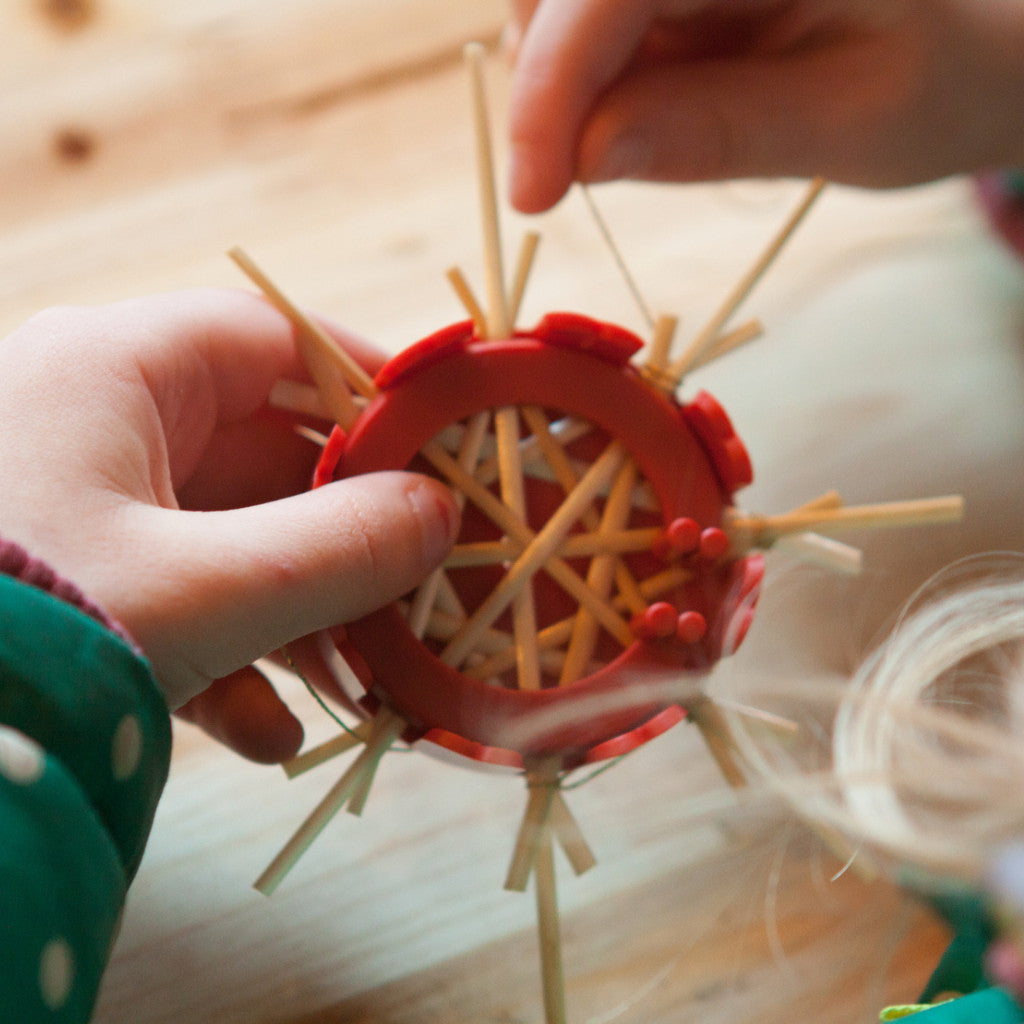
84 752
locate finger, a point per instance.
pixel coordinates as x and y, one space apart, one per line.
570 52
753 118
250 462
211 360
227 587
244 712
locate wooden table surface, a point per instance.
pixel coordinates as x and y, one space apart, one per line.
332 140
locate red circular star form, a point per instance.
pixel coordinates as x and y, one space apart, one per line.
593 568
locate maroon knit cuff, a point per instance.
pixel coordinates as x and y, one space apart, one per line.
1002 198
15 561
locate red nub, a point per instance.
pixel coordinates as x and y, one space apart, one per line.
683 535
714 544
691 627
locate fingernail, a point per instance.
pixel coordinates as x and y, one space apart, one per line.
438 517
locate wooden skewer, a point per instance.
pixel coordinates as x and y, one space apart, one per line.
559 632
600 575
570 835
468 299
549 933
318 755
443 626
469 454
745 285
556 457
742 335
763 530
661 345
717 735
576 545
334 371
537 553
331 804
513 493
557 568
523 266
387 727
314 436
291 396
531 830
498 324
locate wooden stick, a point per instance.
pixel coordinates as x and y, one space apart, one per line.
570 836
745 285
576 545
549 933
540 549
556 457
328 807
468 299
555 567
766 529
334 371
742 335
600 575
531 830
291 396
498 325
717 735
513 493
469 455
661 344
559 632
387 727
314 436
318 755
527 252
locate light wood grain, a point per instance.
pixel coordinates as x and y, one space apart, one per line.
333 141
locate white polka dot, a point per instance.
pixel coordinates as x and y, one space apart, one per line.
56 973
126 750
21 758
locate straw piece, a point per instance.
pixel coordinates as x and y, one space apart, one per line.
531 830
334 371
570 836
717 735
549 933
527 252
330 805
468 299
764 530
498 325
513 493
707 335
600 575
556 568
742 335
427 594
318 755
540 549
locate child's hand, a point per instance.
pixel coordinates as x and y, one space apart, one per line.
868 92
135 460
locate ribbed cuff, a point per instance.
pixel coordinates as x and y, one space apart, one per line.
16 562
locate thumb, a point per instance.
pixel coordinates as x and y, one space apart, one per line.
225 588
